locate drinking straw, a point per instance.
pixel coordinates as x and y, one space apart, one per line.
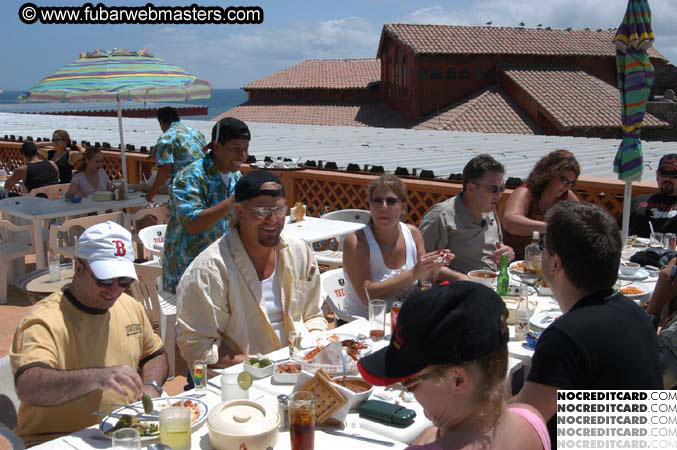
366 292
651 226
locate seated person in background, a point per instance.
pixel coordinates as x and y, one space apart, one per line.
603 341
663 300
659 208
450 348
467 224
87 347
65 155
90 177
387 254
35 172
245 292
549 182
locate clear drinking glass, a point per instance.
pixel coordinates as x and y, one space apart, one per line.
175 427
656 240
230 388
200 377
54 268
377 319
294 342
302 420
126 438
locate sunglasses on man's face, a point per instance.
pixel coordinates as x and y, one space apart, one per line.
57 139
667 174
123 282
263 212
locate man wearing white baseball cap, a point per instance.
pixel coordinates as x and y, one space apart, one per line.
87 347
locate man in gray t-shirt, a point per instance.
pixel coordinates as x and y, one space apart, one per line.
467 224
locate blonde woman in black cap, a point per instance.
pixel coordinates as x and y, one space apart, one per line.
202 199
450 349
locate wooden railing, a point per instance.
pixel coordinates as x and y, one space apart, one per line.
326 190
322 190
137 163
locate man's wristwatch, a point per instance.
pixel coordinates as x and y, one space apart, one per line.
154 384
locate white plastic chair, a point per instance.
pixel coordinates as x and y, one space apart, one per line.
160 306
9 405
81 222
53 191
15 242
159 213
334 293
334 258
153 240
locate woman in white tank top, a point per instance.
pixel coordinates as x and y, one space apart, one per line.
387 257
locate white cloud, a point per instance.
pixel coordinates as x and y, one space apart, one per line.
233 58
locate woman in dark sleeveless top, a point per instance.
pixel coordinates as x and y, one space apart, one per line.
549 182
36 173
61 155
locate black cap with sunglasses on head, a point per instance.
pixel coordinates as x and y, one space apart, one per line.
249 185
447 324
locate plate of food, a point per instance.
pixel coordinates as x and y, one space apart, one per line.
517 267
639 275
637 292
329 356
150 429
286 372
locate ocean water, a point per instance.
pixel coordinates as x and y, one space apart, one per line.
220 101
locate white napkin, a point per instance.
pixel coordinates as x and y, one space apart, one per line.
330 354
341 413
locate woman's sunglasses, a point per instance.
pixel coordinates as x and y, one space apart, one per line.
390 201
123 282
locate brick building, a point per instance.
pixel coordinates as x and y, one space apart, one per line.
480 79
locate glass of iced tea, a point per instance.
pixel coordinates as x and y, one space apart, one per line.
302 420
200 377
377 319
175 427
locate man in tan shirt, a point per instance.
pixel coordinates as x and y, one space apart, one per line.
245 292
88 347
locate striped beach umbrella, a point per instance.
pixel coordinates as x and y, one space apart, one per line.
635 75
119 75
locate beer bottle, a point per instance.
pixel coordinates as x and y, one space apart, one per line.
503 278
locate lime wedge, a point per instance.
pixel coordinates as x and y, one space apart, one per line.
244 380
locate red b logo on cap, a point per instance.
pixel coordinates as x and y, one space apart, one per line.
119 248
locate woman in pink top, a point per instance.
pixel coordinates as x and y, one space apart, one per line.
450 349
90 177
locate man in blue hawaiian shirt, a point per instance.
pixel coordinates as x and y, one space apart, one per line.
177 147
202 199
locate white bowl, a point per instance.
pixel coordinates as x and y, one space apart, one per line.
359 397
629 269
485 277
286 377
259 372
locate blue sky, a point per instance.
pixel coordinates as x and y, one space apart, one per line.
231 55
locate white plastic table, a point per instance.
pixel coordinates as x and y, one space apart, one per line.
314 229
37 210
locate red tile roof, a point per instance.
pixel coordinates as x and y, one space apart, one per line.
323 74
447 39
375 114
490 110
571 98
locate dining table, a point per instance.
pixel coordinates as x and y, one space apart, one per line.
266 390
37 210
315 229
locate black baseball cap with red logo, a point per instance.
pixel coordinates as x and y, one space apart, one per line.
447 324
